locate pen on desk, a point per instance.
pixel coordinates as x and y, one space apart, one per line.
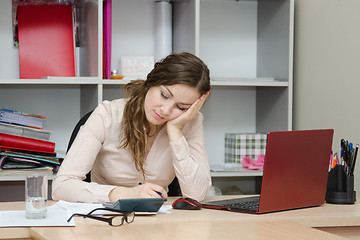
140 183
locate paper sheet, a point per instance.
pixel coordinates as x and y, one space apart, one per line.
74 207
54 218
165 209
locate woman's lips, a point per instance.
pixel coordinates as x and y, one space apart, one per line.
158 116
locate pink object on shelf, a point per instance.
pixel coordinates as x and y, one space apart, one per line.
253 164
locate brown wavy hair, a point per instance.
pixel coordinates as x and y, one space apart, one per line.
177 68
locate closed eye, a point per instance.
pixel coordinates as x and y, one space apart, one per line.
182 109
163 95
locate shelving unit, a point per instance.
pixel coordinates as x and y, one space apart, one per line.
243 42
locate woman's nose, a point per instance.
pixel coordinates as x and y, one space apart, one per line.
165 109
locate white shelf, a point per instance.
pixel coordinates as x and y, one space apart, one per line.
115 82
233 170
95 81
53 80
245 173
19 177
249 82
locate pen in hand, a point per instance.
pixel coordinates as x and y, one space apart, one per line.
140 183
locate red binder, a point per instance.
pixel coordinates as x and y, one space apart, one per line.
10 142
46 41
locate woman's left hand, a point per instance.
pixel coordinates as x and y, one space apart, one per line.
174 127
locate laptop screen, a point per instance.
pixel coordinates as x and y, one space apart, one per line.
296 169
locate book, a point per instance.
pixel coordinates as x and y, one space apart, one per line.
31 151
46 41
107 38
24 131
21 118
24 144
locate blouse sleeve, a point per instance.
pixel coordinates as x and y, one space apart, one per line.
191 161
68 185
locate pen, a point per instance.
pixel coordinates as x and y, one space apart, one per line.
140 183
354 161
337 158
342 152
333 163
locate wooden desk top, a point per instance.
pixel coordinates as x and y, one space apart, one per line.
212 230
326 215
205 224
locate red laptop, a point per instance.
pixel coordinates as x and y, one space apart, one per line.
295 173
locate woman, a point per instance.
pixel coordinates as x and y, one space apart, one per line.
135 146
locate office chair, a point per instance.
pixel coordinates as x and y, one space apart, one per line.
174 187
73 136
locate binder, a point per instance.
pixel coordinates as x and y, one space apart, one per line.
14 160
24 144
46 41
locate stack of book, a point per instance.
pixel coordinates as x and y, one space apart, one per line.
24 119
24 145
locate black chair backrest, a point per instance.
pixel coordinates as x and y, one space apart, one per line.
73 136
77 128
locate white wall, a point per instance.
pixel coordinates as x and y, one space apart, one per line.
327 69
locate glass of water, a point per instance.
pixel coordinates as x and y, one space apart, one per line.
36 192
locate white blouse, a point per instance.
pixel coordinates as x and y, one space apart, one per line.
96 148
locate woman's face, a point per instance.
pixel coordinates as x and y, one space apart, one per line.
164 103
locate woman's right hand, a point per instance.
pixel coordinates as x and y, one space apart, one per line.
146 190
149 190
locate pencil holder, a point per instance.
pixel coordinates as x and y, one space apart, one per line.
340 187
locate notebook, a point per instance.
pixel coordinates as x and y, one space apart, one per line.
295 173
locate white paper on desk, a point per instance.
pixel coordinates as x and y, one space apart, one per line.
74 207
165 209
54 218
85 208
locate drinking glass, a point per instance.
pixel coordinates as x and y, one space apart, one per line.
36 191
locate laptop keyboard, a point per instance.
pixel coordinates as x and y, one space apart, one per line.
248 206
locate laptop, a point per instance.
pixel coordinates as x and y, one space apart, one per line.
295 173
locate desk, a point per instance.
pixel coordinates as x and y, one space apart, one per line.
208 224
